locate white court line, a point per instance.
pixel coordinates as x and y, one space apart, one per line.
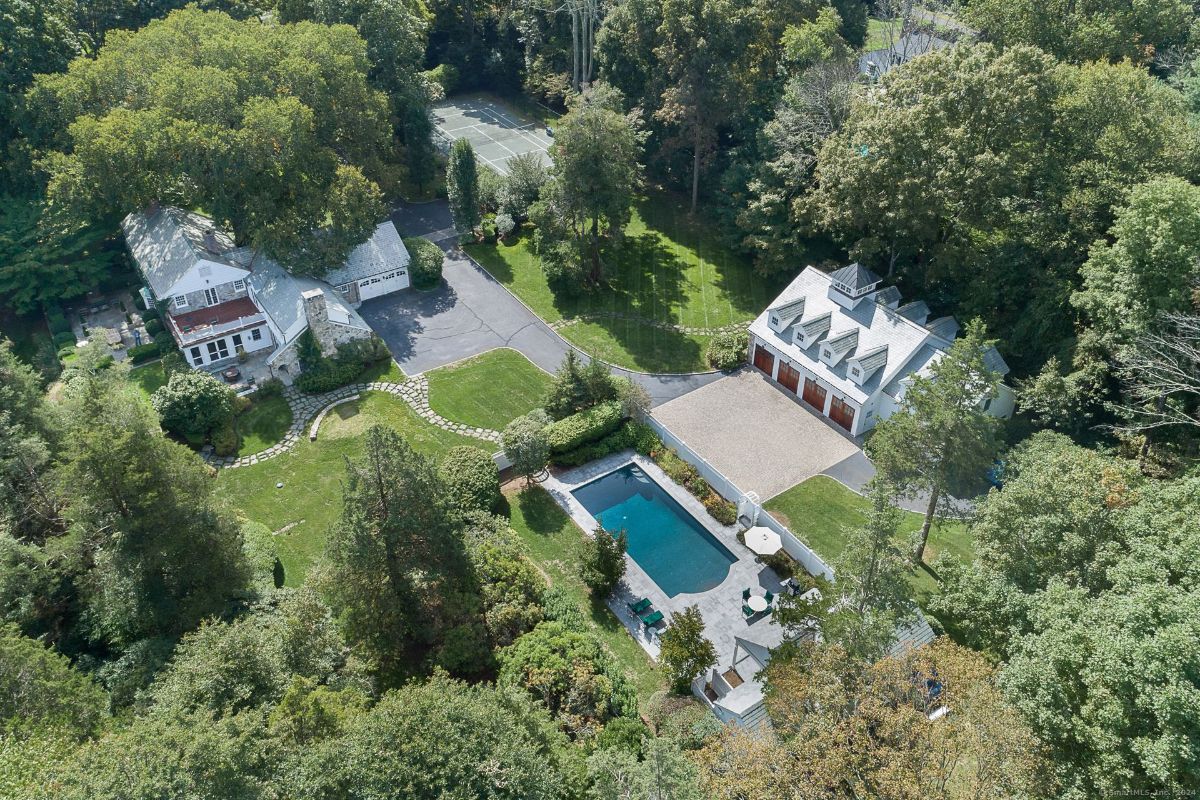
520 132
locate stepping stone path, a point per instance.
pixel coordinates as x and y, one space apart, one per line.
666 326
414 391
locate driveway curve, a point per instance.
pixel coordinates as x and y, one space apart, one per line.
471 312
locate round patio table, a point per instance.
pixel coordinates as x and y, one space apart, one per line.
757 602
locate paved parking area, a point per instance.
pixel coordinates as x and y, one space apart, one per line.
755 434
497 132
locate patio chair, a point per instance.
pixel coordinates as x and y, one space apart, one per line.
652 619
746 593
640 605
747 610
769 597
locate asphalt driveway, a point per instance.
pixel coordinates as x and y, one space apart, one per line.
471 312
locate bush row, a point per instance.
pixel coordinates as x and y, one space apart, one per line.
577 430
143 353
327 376
687 476
632 435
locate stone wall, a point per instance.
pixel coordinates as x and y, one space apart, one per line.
327 333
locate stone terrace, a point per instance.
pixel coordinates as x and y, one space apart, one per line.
721 606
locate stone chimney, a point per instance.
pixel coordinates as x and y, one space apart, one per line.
317 314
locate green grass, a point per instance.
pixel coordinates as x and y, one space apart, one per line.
148 377
384 371
265 423
671 269
489 390
820 510
878 33
312 474
551 539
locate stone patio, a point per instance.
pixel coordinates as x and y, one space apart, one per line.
721 607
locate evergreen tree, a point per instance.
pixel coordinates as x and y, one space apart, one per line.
462 185
602 560
941 440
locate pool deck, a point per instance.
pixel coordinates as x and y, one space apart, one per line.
721 606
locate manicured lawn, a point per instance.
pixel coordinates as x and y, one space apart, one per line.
148 377
489 390
386 370
263 424
821 510
312 473
551 539
672 268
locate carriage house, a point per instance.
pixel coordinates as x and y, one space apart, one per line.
219 299
848 349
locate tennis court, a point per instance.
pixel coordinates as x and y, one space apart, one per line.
495 131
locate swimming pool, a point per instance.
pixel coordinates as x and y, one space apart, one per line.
664 539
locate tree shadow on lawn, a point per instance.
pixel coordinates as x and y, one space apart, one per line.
648 347
646 279
539 510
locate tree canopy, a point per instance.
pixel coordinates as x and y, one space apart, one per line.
274 129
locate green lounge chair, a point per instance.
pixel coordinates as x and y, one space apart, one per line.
652 619
747 610
745 594
640 605
769 597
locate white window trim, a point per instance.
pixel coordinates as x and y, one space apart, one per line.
239 285
181 301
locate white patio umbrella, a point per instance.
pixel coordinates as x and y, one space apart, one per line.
763 541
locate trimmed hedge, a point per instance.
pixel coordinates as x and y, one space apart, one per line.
326 376
153 326
64 339
632 435
143 353
586 426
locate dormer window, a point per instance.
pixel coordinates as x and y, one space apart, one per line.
827 353
856 372
775 321
181 302
239 285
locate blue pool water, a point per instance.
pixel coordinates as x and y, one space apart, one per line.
664 539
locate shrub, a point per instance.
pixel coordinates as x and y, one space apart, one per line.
241 404
559 605
194 403
635 435
505 225
225 440
720 509
143 353
426 264
362 352
586 426
271 387
326 376
602 560
728 350
525 443
154 327
64 339
472 478
149 313
623 733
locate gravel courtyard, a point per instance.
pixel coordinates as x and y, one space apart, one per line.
755 433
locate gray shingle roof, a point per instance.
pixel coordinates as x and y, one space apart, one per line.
279 293
855 276
917 311
168 243
888 295
383 252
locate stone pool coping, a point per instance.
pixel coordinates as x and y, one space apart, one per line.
720 606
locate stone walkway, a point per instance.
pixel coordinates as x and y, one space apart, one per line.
414 391
666 326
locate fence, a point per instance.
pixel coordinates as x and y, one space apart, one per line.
730 491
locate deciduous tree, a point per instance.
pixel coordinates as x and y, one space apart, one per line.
685 652
602 560
525 444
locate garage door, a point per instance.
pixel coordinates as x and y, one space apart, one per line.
814 394
379 285
764 360
788 377
841 413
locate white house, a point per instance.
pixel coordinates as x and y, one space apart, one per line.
847 348
221 299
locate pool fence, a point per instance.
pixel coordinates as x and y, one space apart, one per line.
730 491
